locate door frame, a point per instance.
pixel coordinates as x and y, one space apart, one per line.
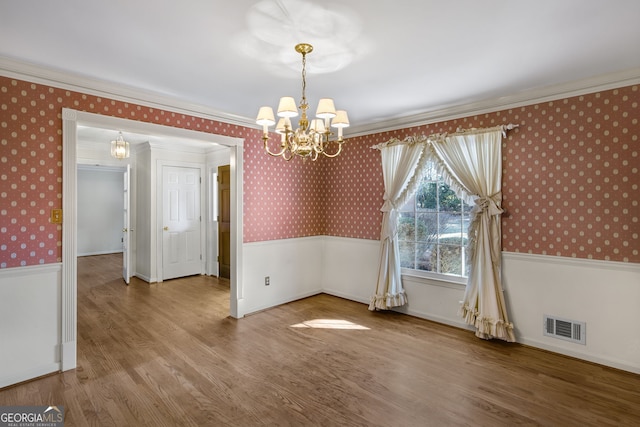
126 232
70 120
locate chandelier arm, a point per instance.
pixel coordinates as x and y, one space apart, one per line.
266 147
335 154
318 147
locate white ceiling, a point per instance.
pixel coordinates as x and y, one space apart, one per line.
380 60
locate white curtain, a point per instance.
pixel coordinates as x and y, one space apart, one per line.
402 163
471 162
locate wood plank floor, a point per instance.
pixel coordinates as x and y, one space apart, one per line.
168 355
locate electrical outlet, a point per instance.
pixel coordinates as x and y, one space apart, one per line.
266 280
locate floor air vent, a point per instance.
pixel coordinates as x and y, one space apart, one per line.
568 330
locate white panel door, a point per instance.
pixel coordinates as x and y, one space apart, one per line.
181 238
126 231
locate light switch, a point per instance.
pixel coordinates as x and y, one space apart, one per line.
56 216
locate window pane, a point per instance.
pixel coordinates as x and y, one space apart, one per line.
449 202
427 227
450 229
409 206
433 226
426 256
407 254
466 220
450 259
468 207
406 226
431 174
427 196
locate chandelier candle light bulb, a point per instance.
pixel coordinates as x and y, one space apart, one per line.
310 138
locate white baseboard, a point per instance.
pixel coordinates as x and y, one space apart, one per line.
281 302
35 372
608 361
346 295
145 278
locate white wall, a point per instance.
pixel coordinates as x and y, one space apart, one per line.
100 210
606 295
143 203
294 267
30 325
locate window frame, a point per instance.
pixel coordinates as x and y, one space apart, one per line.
465 209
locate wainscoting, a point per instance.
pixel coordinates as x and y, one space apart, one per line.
30 316
602 294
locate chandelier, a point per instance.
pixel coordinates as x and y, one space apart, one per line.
310 138
120 147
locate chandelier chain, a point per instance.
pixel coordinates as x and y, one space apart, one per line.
304 78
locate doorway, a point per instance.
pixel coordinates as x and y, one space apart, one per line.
71 119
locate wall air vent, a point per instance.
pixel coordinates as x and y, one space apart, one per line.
568 330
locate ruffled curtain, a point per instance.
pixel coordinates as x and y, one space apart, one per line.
471 162
402 164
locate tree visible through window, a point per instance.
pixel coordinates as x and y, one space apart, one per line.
432 228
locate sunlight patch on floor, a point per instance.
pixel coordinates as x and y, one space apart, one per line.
329 324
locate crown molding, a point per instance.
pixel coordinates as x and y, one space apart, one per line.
519 99
13 68
34 73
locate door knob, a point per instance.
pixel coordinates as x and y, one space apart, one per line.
166 228
124 230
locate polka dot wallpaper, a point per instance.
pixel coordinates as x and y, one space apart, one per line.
570 175
280 198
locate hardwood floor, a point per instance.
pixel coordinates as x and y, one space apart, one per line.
168 355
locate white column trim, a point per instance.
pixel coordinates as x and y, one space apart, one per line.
69 295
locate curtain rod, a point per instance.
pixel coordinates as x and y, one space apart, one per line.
503 128
413 139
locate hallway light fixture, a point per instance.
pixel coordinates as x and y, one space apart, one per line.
120 147
310 138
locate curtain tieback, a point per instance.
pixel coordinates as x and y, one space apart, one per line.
388 206
487 203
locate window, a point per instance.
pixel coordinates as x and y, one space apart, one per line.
432 228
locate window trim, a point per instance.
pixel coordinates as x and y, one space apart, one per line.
439 277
